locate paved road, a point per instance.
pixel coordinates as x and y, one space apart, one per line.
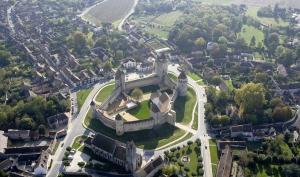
75 129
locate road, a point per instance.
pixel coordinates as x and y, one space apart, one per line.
75 129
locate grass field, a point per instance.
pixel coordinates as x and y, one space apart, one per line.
78 141
105 92
82 95
158 25
213 155
252 11
109 11
142 111
195 77
147 139
184 107
173 77
195 122
248 32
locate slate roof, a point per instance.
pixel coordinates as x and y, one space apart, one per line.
105 143
153 164
120 153
182 75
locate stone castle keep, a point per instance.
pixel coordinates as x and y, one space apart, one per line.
112 111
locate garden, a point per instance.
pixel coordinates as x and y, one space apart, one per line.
186 160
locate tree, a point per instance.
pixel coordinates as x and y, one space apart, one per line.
78 42
4 58
287 57
27 123
137 94
42 129
107 66
81 164
250 98
253 41
272 42
169 170
200 42
282 113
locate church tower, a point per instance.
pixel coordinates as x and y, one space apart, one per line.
131 156
182 84
120 78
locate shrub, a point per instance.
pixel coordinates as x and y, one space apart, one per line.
69 148
200 172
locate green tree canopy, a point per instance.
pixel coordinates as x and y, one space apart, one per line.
137 94
250 98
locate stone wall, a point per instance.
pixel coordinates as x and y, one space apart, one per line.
152 80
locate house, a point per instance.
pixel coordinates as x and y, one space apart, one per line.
41 166
58 121
3 142
151 168
241 130
225 163
281 70
14 134
129 63
121 154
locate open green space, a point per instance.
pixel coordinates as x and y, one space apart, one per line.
262 170
168 19
142 111
105 92
195 77
158 25
173 77
193 152
247 32
184 107
147 139
252 11
82 95
213 155
186 137
195 122
78 141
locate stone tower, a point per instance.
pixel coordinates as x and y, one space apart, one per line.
131 156
182 84
119 125
161 66
120 78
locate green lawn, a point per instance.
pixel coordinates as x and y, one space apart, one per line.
142 111
252 11
191 153
186 137
213 155
184 107
147 139
262 170
194 76
248 32
78 141
82 95
105 92
229 84
168 19
195 122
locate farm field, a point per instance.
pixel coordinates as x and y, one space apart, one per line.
109 11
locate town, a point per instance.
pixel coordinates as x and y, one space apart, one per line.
149 88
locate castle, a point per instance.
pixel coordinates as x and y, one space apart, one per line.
113 112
